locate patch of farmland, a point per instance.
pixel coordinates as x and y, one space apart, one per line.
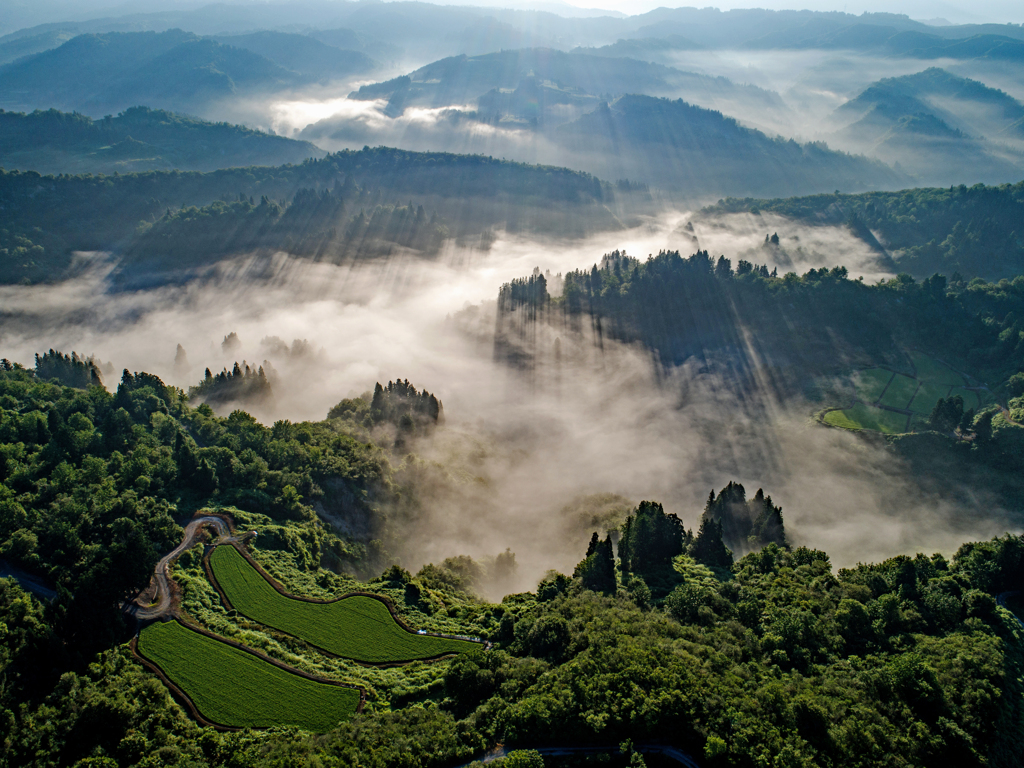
927 396
862 416
234 688
900 392
971 399
355 627
871 383
931 370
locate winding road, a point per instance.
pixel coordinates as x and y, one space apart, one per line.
162 574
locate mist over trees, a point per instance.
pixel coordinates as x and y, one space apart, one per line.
618 632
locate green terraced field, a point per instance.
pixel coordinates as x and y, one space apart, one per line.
900 391
867 417
927 396
356 627
932 371
871 383
234 688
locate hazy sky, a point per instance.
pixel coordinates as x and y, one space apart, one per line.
958 11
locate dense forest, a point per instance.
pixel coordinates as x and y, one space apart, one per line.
138 139
968 231
49 217
772 657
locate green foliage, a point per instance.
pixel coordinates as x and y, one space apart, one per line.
70 370
235 688
974 232
343 204
355 627
597 571
649 541
137 139
744 524
237 385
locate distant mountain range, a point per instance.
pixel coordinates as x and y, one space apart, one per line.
427 31
936 124
105 73
553 78
138 139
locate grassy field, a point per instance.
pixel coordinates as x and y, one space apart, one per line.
356 627
867 417
234 688
900 391
971 399
934 372
927 396
871 383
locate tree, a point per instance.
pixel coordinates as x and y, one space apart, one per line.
597 571
708 547
947 413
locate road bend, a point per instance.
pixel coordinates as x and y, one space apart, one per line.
162 573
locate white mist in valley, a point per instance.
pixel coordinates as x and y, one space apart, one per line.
515 450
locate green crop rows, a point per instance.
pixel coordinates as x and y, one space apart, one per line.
868 417
355 627
234 688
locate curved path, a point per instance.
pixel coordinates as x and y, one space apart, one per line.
162 576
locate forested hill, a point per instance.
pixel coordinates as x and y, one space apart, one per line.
49 217
974 231
138 139
106 73
678 146
789 338
669 641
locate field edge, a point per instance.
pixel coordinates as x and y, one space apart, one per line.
279 588
183 697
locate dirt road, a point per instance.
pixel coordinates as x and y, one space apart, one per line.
162 573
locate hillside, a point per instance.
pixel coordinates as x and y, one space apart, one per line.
935 125
138 139
101 74
672 144
970 231
305 54
460 80
191 220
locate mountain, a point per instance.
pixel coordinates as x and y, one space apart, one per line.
678 146
12 48
934 124
137 139
317 208
105 73
304 54
892 41
581 78
654 49
350 40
